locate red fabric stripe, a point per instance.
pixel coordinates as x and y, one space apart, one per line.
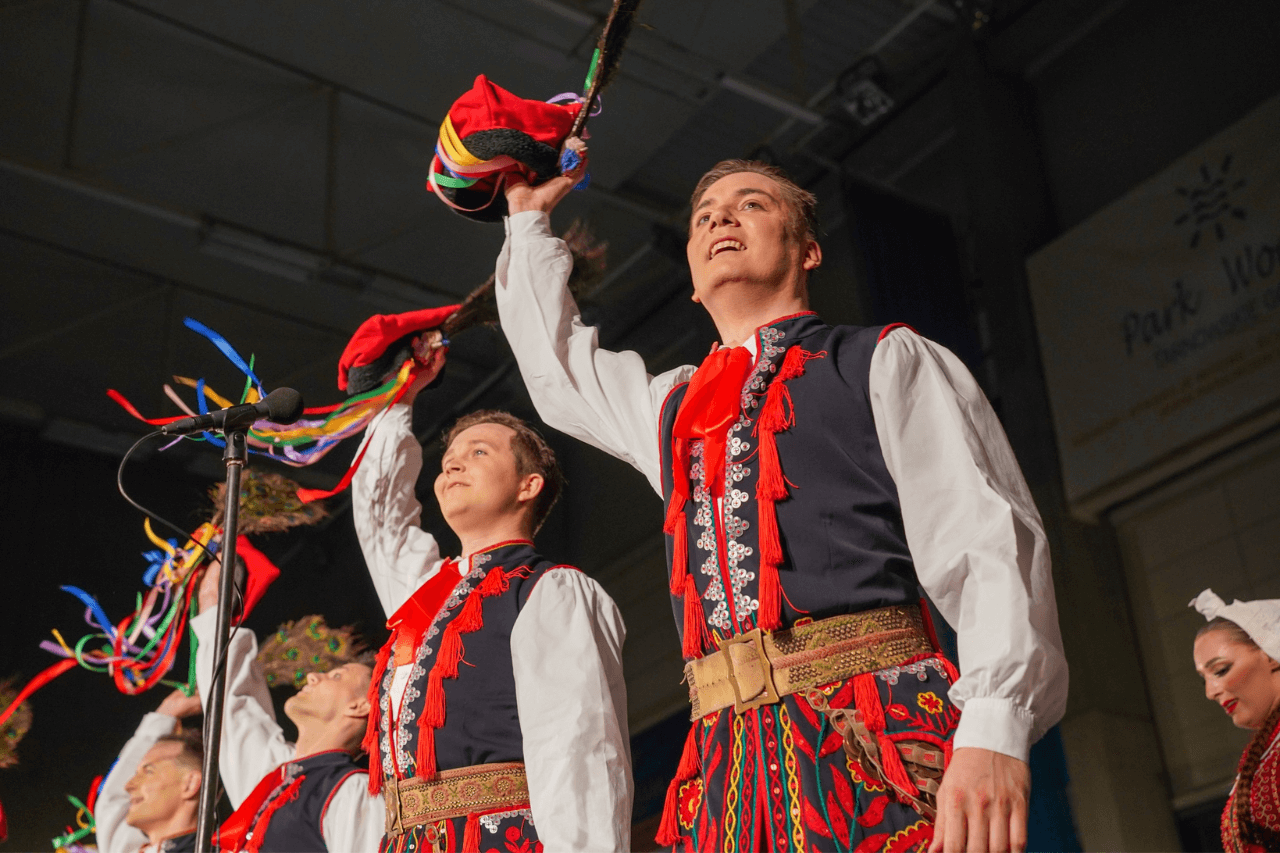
884 333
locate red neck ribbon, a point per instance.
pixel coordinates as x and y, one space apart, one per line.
710 407
415 616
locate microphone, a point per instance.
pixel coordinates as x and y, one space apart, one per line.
281 406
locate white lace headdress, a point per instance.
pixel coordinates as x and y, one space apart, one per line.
1260 619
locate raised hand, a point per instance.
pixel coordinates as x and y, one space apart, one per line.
428 351
180 705
207 593
545 196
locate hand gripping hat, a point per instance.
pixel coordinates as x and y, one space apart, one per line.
488 133
1259 619
382 343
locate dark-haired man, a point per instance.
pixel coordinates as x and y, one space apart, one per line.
815 478
148 801
500 708
311 795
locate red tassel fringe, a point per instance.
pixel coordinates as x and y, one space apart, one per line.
433 705
470 618
471 835
370 742
669 828
690 760
451 651
679 554
696 637
426 757
867 700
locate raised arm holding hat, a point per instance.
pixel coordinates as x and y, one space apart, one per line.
499 705
815 477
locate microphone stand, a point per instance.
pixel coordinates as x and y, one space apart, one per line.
236 457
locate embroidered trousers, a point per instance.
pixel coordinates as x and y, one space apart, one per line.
778 778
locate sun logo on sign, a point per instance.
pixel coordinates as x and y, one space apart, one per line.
1209 202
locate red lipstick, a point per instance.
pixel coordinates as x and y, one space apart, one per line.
1230 705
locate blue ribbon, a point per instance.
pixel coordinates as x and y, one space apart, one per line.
92 603
227 349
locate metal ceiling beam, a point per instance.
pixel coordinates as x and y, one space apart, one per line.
273 62
202 224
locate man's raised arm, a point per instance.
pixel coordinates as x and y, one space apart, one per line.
607 399
253 743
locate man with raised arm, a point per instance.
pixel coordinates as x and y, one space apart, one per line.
148 801
814 478
311 795
500 716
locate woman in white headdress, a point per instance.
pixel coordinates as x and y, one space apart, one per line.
1237 654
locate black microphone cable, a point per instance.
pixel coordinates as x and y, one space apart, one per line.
237 605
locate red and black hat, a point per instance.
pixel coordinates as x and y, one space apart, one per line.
382 344
489 132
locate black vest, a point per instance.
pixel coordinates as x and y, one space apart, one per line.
179 843
482 724
296 826
841 530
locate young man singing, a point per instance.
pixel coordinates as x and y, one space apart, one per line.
500 710
149 799
813 477
289 797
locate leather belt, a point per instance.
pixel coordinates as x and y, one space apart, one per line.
757 668
454 793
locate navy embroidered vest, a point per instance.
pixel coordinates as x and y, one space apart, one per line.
296 826
481 723
840 527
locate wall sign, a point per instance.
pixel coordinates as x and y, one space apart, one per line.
1159 318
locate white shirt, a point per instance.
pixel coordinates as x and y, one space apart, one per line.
566 654
975 536
113 834
253 743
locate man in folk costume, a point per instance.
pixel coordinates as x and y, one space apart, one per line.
148 801
499 707
305 796
815 478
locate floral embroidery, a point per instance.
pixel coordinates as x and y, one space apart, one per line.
930 702
515 842
689 799
898 712
914 837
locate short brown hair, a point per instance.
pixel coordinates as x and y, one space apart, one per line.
533 456
191 755
1236 633
802 204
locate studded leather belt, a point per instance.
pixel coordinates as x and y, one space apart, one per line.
454 793
758 668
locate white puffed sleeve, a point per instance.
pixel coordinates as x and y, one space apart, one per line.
977 541
566 652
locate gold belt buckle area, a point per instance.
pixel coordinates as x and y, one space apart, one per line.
750 672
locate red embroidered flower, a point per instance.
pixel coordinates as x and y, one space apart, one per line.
689 798
929 702
897 712
860 776
914 837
